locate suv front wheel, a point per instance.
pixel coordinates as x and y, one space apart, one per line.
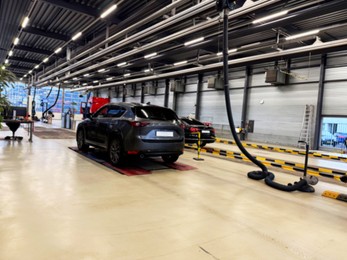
115 152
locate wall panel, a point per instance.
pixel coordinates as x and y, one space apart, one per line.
279 118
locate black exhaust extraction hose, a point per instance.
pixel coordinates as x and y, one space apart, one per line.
55 102
269 177
49 93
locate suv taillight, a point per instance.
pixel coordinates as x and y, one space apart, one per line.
138 123
194 129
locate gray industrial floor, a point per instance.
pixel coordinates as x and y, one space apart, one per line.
56 204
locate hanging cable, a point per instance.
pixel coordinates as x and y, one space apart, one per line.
55 102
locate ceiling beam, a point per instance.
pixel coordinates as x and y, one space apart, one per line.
13 67
78 8
24 60
43 33
34 50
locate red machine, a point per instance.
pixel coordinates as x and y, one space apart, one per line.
94 103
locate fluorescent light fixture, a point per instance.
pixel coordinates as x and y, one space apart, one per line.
270 17
84 84
75 78
86 75
180 63
16 41
108 11
25 22
101 70
58 50
37 66
150 55
108 79
7 61
10 53
95 81
126 74
148 70
122 64
25 75
300 35
66 81
3 67
30 71
229 51
21 79
45 60
76 36
194 41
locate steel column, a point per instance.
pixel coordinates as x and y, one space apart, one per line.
320 102
143 92
198 96
245 103
167 93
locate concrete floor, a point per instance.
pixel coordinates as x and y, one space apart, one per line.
55 204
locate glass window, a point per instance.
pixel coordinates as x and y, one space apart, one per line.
334 132
191 121
155 113
115 111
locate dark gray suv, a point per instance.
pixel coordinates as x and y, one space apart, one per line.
124 129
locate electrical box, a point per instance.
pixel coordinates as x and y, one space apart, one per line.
150 90
275 77
130 91
177 86
215 82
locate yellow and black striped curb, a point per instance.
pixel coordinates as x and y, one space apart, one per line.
289 166
284 150
335 195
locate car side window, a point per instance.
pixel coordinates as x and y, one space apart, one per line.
115 111
102 113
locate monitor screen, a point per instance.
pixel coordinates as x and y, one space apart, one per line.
21 112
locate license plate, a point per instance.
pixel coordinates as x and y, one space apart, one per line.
165 134
205 131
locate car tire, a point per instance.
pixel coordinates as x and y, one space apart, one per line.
170 158
334 143
81 144
115 153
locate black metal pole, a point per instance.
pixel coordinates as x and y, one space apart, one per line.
245 104
198 96
320 102
167 93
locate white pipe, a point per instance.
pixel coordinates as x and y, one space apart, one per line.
187 31
216 66
159 26
121 33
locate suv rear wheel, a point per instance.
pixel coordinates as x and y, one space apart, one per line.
115 152
170 158
81 145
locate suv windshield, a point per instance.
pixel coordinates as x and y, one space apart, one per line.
155 113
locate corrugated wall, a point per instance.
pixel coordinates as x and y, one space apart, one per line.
276 110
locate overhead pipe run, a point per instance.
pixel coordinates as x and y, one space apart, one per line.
121 33
137 36
338 44
164 40
249 8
